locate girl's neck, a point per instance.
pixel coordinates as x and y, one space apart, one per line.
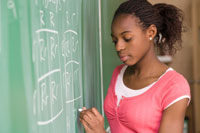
148 66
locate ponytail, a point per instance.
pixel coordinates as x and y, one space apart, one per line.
169 33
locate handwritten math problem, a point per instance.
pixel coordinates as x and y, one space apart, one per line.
56 55
50 64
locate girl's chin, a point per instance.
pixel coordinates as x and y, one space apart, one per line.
128 63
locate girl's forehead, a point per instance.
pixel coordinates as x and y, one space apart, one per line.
125 22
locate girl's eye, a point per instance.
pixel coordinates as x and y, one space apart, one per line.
114 41
127 39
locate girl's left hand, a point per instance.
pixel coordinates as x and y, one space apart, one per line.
92 120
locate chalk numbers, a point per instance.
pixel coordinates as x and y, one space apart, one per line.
56 55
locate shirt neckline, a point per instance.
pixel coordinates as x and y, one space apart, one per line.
154 86
121 74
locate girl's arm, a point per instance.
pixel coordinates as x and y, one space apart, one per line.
173 117
92 121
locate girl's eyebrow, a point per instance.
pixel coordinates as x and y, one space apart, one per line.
121 33
125 32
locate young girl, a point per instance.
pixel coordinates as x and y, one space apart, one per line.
145 95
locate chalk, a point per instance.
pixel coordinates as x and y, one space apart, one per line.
80 110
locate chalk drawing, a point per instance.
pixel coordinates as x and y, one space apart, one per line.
48 74
53 91
42 23
73 100
51 120
44 96
54 47
47 30
72 31
55 3
43 50
11 6
52 20
71 18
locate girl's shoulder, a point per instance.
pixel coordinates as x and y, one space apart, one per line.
176 78
173 88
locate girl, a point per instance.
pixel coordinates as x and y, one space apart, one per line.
145 95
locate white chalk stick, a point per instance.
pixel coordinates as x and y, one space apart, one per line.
80 110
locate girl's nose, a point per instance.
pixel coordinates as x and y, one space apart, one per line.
119 46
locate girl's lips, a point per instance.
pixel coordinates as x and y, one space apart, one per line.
123 58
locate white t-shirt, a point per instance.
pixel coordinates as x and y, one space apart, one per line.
122 90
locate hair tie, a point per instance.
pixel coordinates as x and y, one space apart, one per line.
160 38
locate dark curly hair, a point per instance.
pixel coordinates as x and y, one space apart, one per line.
167 18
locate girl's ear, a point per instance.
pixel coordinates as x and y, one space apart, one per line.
151 31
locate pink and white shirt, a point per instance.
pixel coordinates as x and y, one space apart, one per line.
143 113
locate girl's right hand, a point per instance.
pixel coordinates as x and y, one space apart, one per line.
92 120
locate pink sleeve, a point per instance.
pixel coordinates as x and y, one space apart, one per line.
178 90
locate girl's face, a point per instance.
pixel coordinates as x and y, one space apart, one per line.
131 41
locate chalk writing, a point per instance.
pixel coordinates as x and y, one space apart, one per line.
48 74
51 120
46 30
51 42
11 6
73 100
69 43
53 91
42 93
42 23
49 93
71 18
43 50
55 3
56 55
54 47
52 19
72 77
46 96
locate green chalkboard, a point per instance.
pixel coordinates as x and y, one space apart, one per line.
50 64
13 102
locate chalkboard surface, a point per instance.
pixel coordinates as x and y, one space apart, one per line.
50 64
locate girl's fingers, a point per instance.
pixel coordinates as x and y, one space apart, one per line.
85 125
90 114
85 114
82 113
96 112
86 118
84 108
92 120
